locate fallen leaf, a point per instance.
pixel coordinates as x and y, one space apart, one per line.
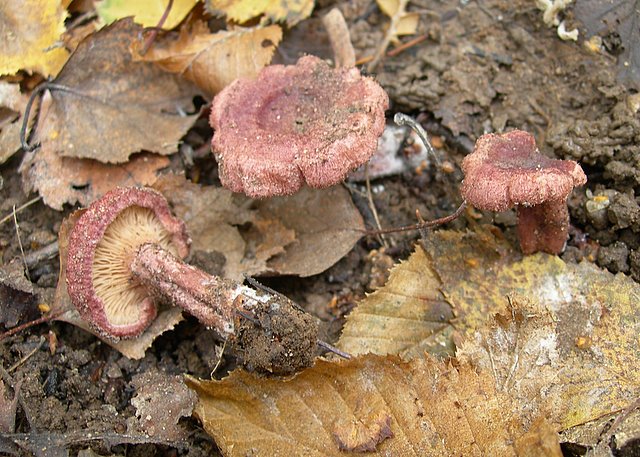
12 104
62 306
407 23
61 180
160 401
111 107
29 33
17 297
213 60
291 11
326 224
371 403
8 407
580 349
303 234
144 12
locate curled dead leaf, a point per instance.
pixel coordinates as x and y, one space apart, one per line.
291 11
213 60
106 107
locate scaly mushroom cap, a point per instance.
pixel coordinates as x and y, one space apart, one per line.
101 247
295 124
508 170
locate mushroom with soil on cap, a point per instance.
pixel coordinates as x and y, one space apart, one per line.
304 123
124 259
507 170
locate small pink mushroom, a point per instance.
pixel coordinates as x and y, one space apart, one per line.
124 258
507 170
294 124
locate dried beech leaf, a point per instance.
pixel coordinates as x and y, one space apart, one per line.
291 11
326 223
61 180
407 23
160 401
213 60
303 234
213 216
29 31
145 12
113 107
371 403
134 348
12 104
583 339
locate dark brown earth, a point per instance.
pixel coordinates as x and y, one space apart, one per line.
485 66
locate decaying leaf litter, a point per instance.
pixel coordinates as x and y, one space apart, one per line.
545 338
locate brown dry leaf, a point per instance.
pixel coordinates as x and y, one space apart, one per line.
112 107
12 104
326 223
145 12
583 339
160 401
134 348
61 180
8 406
381 404
29 34
240 11
303 234
17 297
213 60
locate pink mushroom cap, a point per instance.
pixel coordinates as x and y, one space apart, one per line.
102 245
294 124
507 170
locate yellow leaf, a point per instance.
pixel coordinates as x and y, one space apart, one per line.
407 23
291 11
29 36
145 12
213 60
577 340
377 404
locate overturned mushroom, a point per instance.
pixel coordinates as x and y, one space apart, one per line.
507 170
124 259
304 123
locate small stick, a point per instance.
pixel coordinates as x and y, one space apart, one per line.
421 225
343 53
372 205
19 208
154 33
26 325
24 261
335 350
404 46
395 20
44 253
403 119
26 357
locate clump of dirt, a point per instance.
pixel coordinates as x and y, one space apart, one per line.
278 338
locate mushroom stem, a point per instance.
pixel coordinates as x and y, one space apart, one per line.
211 299
543 227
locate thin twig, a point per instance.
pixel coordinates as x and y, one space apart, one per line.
391 32
372 206
24 261
335 350
421 225
403 119
26 325
44 253
18 209
409 44
154 33
26 357
224 346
